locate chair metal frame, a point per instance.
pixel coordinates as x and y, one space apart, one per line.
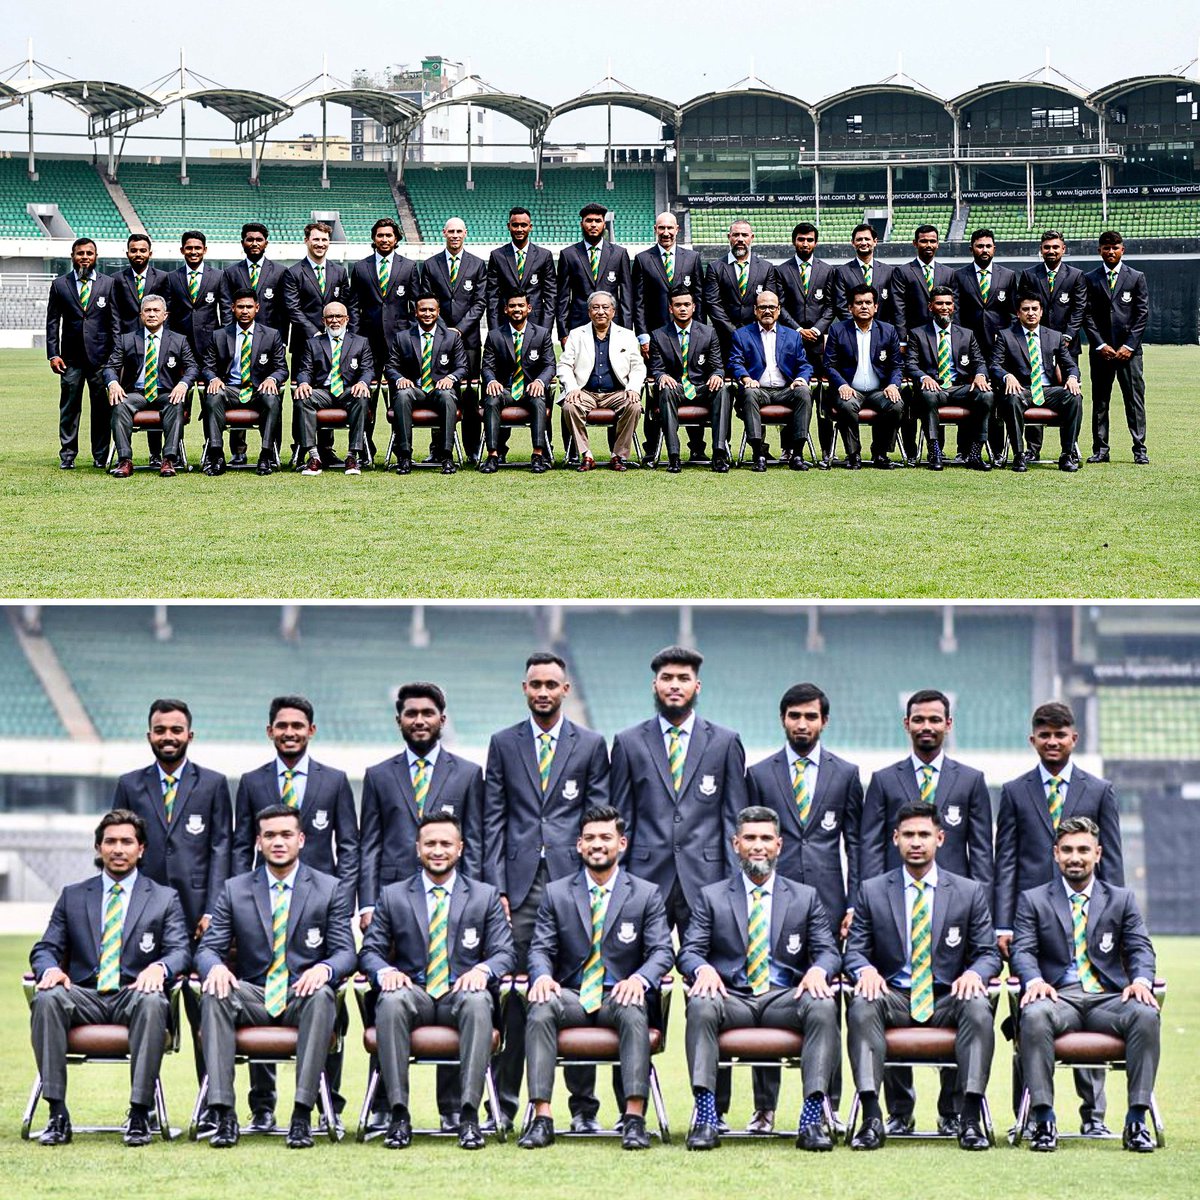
773 419
155 426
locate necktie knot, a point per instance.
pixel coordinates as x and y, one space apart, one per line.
757 894
169 780
920 886
116 889
544 738
1078 899
421 764
439 893
279 887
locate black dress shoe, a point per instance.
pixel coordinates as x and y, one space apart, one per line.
824 464
1068 463
539 464
539 1135
949 1126
450 1121
265 466
722 1126
871 1136
633 1133
649 462
328 459
935 460
215 466
975 460
1137 1137
910 460
758 463
1044 1138
1094 1127
299 1134
57 1131
490 465
137 1130
699 457
703 1137
1141 458
581 1123
720 463
470 1137
155 461
100 463
972 1137
813 1137
503 457
674 465
1020 463
262 1121
67 464
899 1126
489 1125
399 1134
449 466
853 462
797 463
1032 455
227 1133
960 460
1101 456
763 1121
882 463
240 460
404 466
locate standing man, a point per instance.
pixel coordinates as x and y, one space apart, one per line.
133 283
921 952
312 283
291 925
1118 309
1100 978
588 265
600 949
542 775
732 285
1032 809
759 952
863 268
522 266
113 944
81 327
913 283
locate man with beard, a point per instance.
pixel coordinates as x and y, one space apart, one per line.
960 795
759 952
542 775
928 970
819 800
600 949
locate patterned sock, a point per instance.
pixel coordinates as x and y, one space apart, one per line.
813 1111
706 1107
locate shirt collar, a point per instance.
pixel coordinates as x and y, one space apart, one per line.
450 256
262 262
448 883
685 727
555 731
590 883
1064 774
127 884
430 757
312 262
179 770
937 763
731 258
301 768
1087 891
682 328
813 756
800 262
249 331
931 878
381 258
289 879
768 886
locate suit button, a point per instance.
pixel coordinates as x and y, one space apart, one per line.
677 847
170 850
678 818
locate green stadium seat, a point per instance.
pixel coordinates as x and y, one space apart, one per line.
73 185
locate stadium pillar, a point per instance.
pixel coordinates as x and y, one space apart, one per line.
470 176
608 154
418 634
1029 194
537 164
32 168
1103 186
814 642
687 632
889 198
162 624
183 175
324 144
948 643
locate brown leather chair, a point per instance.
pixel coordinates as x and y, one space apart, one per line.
243 419
149 420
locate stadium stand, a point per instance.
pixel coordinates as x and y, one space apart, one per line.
25 710
439 192
1083 221
1150 722
906 218
773 225
23 302
74 186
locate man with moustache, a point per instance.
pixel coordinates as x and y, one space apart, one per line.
864 268
311 284
913 283
588 265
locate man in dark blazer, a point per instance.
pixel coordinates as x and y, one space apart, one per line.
871 379
1032 807
152 368
768 361
1062 290
133 283
1018 387
291 926
1082 954
921 952
1118 309
457 280
522 266
319 386
759 952
427 367
733 283
964 806
81 327
113 944
601 947
698 381
589 265
542 775
504 385
193 296
864 268
228 388
913 283
946 366
436 949
312 283
679 781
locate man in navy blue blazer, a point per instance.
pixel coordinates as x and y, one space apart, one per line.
913 283
590 265
862 360
769 363
864 268
133 283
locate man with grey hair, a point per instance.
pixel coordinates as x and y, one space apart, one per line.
602 367
759 952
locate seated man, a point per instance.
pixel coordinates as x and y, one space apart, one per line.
946 366
1026 361
112 944
686 366
152 368
342 366
600 948
768 361
1099 977
862 360
929 968
602 367
427 365
291 925
759 951
246 366
436 947
518 367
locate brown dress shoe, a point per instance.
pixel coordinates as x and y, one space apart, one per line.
123 469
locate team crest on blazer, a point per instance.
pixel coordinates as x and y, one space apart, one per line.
1064 298
448 809
533 280
700 360
400 290
354 364
101 301
320 820
793 943
268 294
626 934
468 286
687 281
337 290
262 360
470 938
171 361
533 356
964 359
1126 297
313 938
819 294
883 356
612 277
708 785
195 824
1106 943
829 821
147 942
443 360
211 298
952 815
571 790
1000 294
953 936
758 288
883 293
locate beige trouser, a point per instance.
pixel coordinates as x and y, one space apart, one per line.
628 410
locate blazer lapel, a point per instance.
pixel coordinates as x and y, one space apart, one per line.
781 902
301 895
652 735
946 784
154 801
527 749
581 891
943 897
616 901
183 795
92 906
260 888
783 777
404 779
1037 799
562 754
1062 910
740 910
896 903
437 781
416 897
1076 790
458 904
137 902
824 786
313 787
695 751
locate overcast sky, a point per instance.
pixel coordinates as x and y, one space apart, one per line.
551 51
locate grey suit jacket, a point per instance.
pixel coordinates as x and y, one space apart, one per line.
652 293
272 306
463 305
575 284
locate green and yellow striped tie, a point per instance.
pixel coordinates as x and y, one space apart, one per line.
427 362
1112 281
1054 798
591 989
928 785
437 969
743 278
675 756
594 262
193 286
421 785
520 265
985 285
336 385
1037 387
288 794
944 366
255 268
1088 979
150 376
545 758
689 388
800 790
453 269
927 270
275 994
669 266
109 977
85 290
867 270
920 998
1050 281
139 286
247 389
321 278
169 795
805 273
518 377
758 968
385 275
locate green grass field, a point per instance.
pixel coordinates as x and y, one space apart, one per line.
436 1167
1114 531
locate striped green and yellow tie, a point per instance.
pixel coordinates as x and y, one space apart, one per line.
594 262
109 976
193 286
85 290
275 994
758 968
800 790
1112 281
172 787
437 969
385 275
247 389
139 286
421 785
669 266
288 793
920 998
591 989
1054 798
805 274
675 756
427 362
1037 386
520 266
321 278
1088 979
985 285
255 268
868 270
927 271
743 278
1050 281
689 388
944 366
545 758
518 376
453 269
150 376
928 785
336 384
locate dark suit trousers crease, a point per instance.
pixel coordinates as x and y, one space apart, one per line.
1132 381
122 422
356 410
798 399
70 409
444 402
883 428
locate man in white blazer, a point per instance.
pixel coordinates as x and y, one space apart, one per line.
602 367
